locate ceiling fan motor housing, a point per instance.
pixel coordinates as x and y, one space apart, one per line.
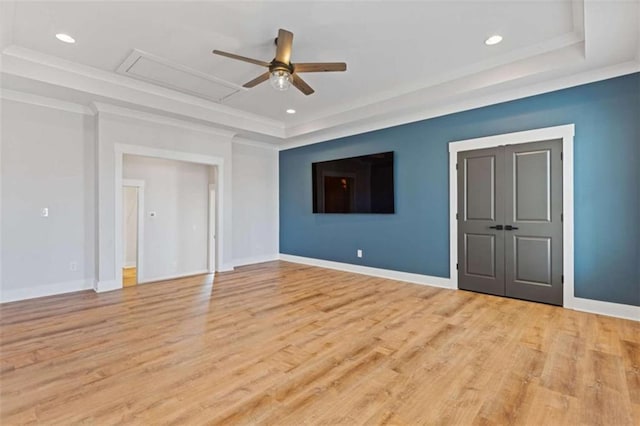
280 66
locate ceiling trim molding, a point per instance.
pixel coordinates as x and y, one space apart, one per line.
49 69
111 77
376 123
451 90
114 110
543 54
43 101
239 140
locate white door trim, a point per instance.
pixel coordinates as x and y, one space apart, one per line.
139 185
565 133
120 151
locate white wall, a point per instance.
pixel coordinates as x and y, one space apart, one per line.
61 157
169 136
175 239
255 202
130 224
47 161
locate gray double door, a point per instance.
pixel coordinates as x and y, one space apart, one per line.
510 221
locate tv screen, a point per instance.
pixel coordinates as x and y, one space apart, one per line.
354 185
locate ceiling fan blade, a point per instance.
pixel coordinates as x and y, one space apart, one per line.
302 85
284 43
241 58
320 67
259 79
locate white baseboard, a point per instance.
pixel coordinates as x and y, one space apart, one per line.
374 272
617 310
174 277
104 286
256 259
45 290
225 267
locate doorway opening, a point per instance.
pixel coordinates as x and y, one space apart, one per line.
178 211
146 249
132 230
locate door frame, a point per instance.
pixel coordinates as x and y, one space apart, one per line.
566 133
139 185
124 149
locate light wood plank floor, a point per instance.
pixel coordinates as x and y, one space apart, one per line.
129 276
287 344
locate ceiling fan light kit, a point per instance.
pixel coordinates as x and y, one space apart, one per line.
282 72
280 79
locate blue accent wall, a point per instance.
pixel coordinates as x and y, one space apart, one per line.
416 239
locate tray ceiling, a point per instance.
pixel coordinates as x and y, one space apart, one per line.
393 49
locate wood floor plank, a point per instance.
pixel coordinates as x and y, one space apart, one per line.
280 343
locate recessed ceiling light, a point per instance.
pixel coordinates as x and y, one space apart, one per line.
66 38
291 111
494 39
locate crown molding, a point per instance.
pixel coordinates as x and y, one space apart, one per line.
447 91
102 108
29 98
239 140
550 65
410 115
121 89
329 133
561 50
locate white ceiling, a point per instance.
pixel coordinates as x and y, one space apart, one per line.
397 52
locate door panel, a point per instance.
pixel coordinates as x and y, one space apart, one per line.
532 257
480 252
480 197
531 171
480 188
533 202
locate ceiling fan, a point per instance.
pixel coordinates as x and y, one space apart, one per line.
282 72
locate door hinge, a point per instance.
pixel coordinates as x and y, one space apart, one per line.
560 155
562 279
561 217
456 266
456 166
456 216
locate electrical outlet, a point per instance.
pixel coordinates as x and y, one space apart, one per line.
44 212
359 252
73 266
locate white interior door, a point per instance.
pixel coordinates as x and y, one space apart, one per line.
133 254
212 228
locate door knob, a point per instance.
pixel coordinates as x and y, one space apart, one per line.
498 227
510 228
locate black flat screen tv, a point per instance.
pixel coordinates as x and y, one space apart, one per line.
354 185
